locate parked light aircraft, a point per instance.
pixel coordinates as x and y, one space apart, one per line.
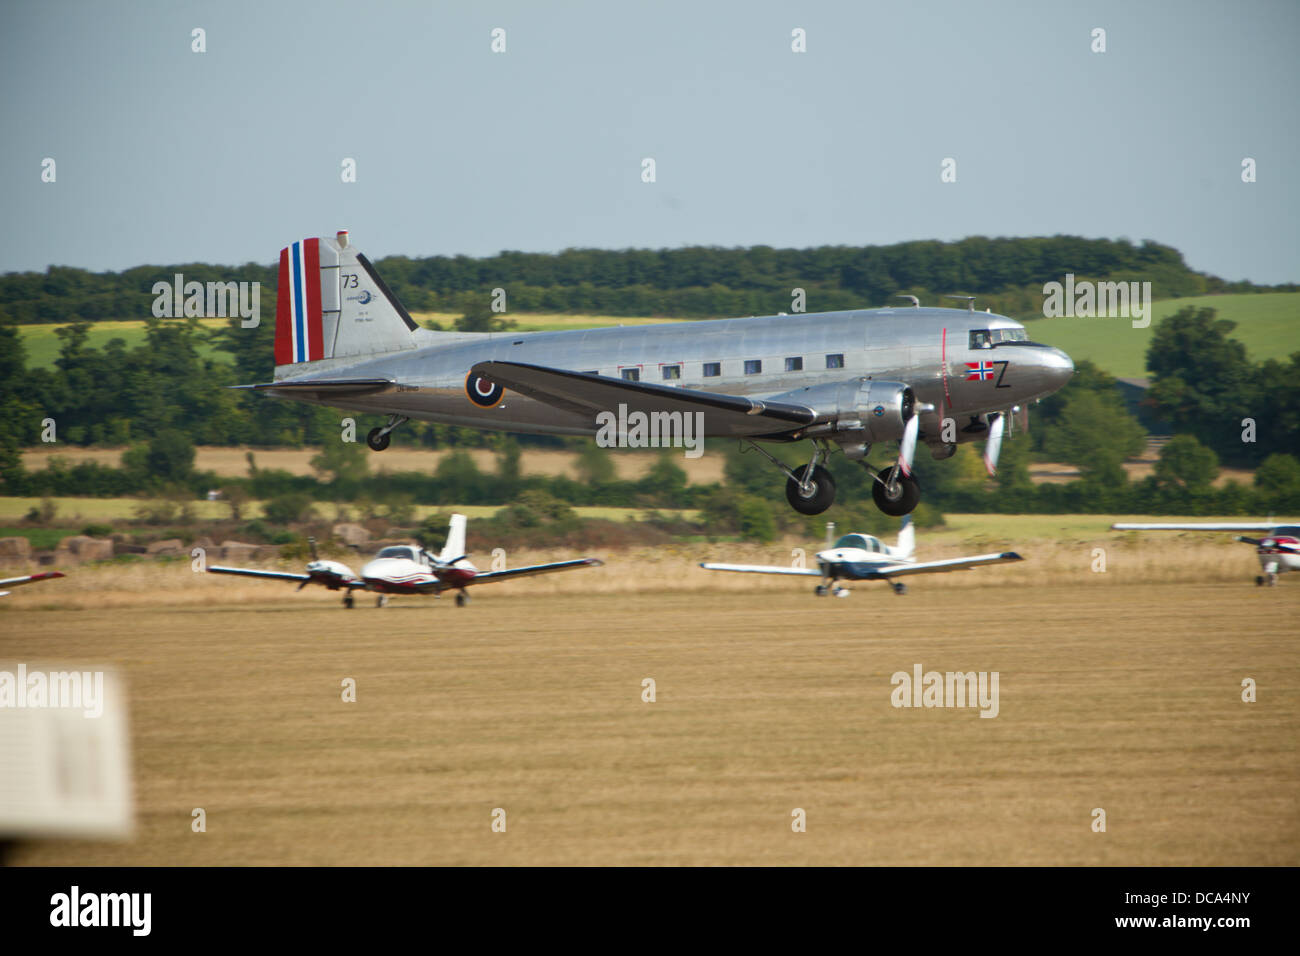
843 380
28 579
863 557
1278 550
408 569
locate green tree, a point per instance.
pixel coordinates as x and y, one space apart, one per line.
341 461
1184 462
1095 433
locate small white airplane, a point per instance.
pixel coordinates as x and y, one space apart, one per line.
408 569
29 579
1278 550
863 557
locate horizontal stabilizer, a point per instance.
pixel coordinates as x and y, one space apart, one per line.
324 386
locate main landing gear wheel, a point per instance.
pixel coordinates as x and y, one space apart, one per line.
462 599
821 590
347 601
815 496
898 586
378 439
895 494
841 592
1259 581
381 601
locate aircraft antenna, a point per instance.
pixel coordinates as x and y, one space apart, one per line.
970 301
916 303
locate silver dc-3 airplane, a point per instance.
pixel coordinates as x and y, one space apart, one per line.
1278 550
408 569
28 579
863 557
839 379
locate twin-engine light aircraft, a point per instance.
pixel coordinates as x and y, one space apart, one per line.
843 380
1278 550
408 569
28 579
863 557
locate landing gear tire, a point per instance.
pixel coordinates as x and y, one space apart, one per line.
895 495
815 499
898 586
821 590
840 592
462 599
381 601
378 439
1259 581
347 601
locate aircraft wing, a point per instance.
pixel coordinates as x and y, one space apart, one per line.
585 394
28 579
280 576
950 564
1219 526
484 576
763 569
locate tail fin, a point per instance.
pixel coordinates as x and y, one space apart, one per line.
906 538
332 304
455 546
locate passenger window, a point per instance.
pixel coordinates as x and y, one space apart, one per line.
794 364
753 366
631 375
671 372
835 361
712 369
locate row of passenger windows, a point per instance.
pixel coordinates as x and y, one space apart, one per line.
713 369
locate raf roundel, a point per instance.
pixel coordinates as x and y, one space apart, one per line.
483 392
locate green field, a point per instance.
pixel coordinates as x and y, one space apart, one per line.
43 344
1268 325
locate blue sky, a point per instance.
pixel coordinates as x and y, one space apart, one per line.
168 156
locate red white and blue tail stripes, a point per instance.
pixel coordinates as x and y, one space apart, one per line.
299 336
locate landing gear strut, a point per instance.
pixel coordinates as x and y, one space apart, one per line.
378 438
895 493
810 488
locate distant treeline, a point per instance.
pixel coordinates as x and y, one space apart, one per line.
696 282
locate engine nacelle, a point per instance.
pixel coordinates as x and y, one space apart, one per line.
862 411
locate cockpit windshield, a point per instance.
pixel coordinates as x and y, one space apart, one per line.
861 542
987 338
398 551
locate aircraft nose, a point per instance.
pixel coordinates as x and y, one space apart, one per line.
1058 366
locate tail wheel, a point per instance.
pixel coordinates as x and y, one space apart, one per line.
817 497
378 439
896 494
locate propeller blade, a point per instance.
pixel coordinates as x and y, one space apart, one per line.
311 543
993 444
907 446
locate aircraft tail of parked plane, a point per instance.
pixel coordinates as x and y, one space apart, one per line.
454 549
906 546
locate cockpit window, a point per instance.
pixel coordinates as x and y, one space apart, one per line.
987 338
860 541
397 551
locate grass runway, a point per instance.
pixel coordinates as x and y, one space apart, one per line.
1124 696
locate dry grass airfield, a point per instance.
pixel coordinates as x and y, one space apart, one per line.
1120 691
